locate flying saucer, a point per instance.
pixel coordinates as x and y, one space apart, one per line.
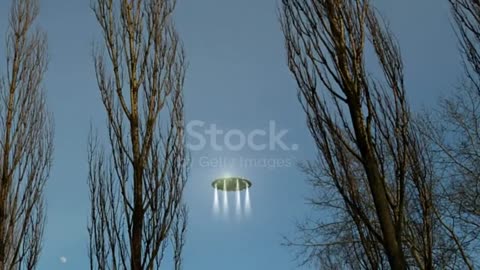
231 184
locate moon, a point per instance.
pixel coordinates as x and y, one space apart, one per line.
63 259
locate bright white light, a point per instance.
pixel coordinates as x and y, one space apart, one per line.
225 198
216 204
247 202
63 259
238 208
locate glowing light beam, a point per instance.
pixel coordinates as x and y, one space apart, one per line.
248 207
216 203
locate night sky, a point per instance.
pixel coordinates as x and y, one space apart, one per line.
237 79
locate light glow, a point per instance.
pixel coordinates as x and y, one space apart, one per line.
248 207
225 199
216 203
238 208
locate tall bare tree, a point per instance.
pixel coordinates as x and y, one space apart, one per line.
137 182
454 131
375 172
26 145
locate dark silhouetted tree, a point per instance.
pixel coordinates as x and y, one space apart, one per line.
375 175
26 139
137 182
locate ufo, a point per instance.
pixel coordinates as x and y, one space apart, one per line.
231 183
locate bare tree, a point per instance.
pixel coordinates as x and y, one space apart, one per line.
136 183
466 15
455 133
375 172
26 133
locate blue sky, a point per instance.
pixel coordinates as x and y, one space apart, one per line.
237 79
